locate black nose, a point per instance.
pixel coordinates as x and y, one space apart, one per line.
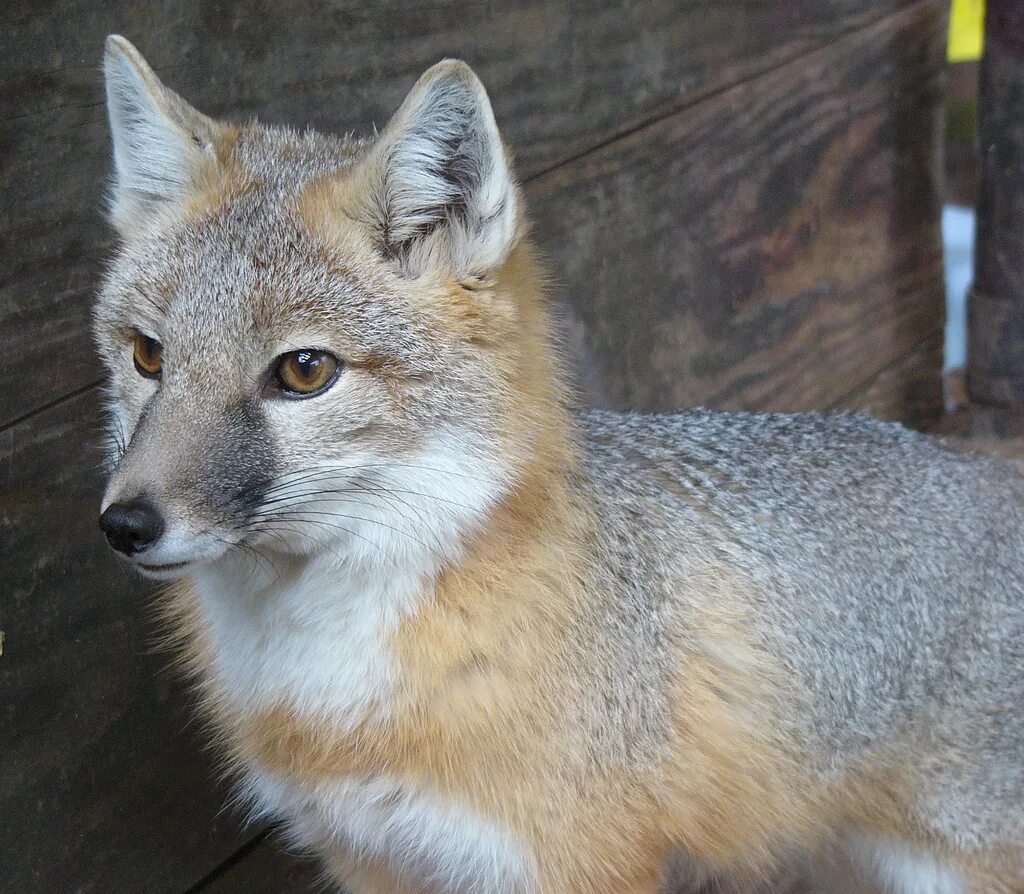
131 527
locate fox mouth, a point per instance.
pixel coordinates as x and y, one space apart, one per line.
164 570
167 566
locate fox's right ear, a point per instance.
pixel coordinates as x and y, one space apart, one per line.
436 188
161 143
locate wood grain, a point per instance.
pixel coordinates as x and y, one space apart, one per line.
565 76
908 391
103 787
775 246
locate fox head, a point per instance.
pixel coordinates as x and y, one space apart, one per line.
314 343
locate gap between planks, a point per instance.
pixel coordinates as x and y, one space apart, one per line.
229 862
49 405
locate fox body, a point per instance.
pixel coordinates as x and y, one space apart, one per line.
461 638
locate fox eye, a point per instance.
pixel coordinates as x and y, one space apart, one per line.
306 373
148 356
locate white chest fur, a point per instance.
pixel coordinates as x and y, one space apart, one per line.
303 634
312 633
317 640
427 846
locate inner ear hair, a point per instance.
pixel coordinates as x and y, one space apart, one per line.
161 144
437 187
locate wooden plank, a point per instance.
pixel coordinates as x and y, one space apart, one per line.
995 326
102 784
565 77
776 246
995 430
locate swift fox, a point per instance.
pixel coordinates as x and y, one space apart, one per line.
462 638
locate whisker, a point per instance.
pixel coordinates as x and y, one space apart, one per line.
298 531
286 500
364 486
389 464
314 498
298 513
384 496
415 493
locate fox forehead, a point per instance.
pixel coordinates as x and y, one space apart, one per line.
283 159
241 260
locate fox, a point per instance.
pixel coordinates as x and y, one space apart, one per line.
458 634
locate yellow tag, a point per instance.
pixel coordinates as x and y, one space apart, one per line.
966 30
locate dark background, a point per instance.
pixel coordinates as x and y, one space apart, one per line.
738 203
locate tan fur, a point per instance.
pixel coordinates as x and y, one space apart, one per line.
221 180
994 873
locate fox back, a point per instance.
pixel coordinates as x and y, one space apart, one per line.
461 638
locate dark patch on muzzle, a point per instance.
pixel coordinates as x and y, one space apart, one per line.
239 465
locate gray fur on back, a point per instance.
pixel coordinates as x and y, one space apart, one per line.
888 578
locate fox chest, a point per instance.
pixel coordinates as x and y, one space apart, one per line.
422 844
339 794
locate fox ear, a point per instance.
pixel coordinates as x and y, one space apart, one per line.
437 188
161 143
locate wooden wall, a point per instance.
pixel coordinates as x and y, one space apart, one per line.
995 351
738 205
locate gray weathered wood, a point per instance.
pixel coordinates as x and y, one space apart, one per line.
995 354
565 77
773 247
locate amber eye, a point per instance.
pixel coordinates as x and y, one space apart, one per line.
148 356
305 373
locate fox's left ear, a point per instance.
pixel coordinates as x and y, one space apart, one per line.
161 143
436 188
